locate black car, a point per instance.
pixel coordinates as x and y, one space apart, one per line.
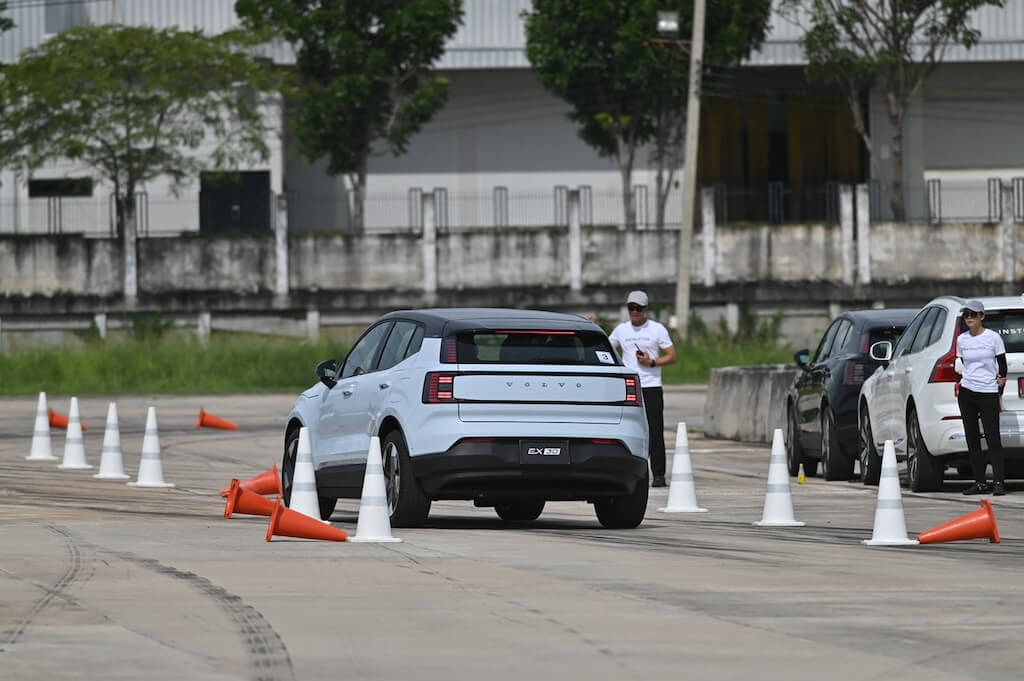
821 405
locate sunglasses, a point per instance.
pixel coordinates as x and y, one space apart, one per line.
633 307
971 314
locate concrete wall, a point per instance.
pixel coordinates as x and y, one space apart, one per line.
747 403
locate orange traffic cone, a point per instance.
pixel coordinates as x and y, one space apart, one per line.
241 500
284 522
58 420
978 524
268 482
211 421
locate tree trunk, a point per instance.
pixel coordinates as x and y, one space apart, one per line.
624 153
127 224
358 182
896 198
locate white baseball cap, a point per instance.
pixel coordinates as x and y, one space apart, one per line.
637 298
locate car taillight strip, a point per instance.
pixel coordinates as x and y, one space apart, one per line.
438 388
944 371
449 353
632 391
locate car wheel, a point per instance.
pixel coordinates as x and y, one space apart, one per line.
794 453
520 510
625 511
408 506
924 471
870 461
834 464
291 450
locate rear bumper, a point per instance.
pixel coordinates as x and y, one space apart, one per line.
488 471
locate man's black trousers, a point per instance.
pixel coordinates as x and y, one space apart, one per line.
654 403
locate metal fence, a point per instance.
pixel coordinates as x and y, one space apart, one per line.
505 207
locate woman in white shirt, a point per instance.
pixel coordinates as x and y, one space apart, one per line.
983 355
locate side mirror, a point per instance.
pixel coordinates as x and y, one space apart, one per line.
327 372
881 351
802 357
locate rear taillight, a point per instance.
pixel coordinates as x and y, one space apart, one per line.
855 373
602 441
449 354
438 388
944 371
634 398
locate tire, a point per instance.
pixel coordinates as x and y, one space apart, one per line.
520 510
835 465
794 453
870 459
291 447
626 511
408 506
924 471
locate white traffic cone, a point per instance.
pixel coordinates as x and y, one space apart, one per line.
682 492
42 448
890 527
151 469
778 504
111 461
374 525
304 498
74 443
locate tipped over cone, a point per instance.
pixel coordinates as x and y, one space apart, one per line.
58 420
242 500
268 482
210 421
284 522
978 524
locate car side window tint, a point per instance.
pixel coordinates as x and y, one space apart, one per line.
396 345
826 343
907 339
842 335
360 359
939 326
415 341
924 334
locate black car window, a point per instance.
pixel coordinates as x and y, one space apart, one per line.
939 326
415 341
1009 324
882 333
924 334
525 346
907 337
396 345
842 336
360 358
826 343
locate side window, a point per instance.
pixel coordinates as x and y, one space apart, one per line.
414 343
939 326
842 335
397 344
826 343
925 333
360 358
907 339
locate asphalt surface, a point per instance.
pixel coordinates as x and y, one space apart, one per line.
99 580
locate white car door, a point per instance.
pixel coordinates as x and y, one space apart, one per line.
891 422
345 407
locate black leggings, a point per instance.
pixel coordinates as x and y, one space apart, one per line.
654 403
985 405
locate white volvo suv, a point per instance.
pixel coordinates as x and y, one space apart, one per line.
911 398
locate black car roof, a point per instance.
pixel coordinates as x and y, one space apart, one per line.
440 320
894 316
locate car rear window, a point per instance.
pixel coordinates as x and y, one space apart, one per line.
1009 324
884 333
534 347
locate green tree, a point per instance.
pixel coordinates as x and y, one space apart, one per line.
894 44
6 23
138 103
365 75
625 87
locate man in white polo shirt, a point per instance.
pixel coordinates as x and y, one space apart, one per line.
645 347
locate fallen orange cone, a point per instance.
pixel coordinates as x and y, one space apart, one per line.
58 420
285 522
211 421
241 500
268 482
978 524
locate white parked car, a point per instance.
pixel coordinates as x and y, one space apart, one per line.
911 398
505 408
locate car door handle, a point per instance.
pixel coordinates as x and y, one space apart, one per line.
384 386
907 370
348 390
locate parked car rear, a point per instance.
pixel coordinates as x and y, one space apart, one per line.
821 406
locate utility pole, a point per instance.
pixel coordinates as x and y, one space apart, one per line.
689 172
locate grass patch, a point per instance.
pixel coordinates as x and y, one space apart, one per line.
166 364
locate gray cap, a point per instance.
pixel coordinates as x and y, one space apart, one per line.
974 305
637 298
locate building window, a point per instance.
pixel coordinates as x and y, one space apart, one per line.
61 186
62 15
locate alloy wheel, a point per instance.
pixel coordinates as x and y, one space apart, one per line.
288 467
392 475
